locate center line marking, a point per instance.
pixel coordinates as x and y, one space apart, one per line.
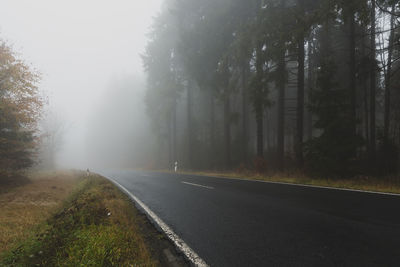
199 185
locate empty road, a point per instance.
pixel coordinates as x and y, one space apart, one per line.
231 222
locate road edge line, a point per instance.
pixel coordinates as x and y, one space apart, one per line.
281 183
300 185
189 253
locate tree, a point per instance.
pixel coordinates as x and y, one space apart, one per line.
300 85
279 35
20 106
164 83
388 74
306 17
372 99
332 152
259 97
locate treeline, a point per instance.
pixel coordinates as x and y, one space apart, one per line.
20 110
276 84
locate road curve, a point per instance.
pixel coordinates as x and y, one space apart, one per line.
231 222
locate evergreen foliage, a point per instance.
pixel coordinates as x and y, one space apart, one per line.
299 76
20 106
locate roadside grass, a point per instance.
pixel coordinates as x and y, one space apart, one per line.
27 201
389 184
96 226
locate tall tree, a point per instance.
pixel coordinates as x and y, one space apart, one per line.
388 76
190 124
300 84
278 29
373 68
350 20
20 106
164 82
259 98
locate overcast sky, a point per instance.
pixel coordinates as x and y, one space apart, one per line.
78 46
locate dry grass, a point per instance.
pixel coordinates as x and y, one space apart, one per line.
95 226
27 205
121 229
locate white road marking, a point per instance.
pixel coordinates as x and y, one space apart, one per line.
304 185
199 185
299 185
179 243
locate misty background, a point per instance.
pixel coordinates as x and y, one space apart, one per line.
89 54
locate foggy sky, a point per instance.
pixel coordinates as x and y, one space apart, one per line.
78 46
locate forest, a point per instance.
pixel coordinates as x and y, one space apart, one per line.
276 85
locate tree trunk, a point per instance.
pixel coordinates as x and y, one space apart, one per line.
352 68
310 87
373 84
268 131
364 84
174 130
212 131
388 80
244 114
281 111
170 142
160 150
227 130
190 125
258 104
260 131
300 101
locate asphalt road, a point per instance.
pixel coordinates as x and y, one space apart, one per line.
244 223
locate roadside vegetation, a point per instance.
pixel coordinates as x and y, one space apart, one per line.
27 201
96 225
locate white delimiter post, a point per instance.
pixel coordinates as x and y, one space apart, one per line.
176 166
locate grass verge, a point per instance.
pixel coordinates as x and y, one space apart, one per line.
365 183
27 201
96 226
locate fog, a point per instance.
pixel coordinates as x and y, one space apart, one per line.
89 55
227 84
